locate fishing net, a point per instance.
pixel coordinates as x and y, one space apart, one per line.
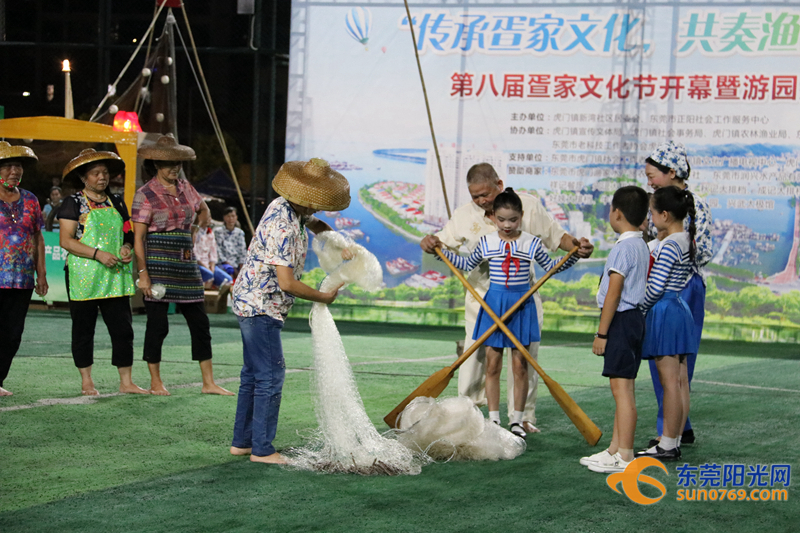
454 429
346 440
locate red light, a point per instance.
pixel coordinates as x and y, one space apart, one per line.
126 121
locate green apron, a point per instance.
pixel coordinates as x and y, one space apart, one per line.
90 279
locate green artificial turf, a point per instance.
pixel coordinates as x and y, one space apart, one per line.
130 463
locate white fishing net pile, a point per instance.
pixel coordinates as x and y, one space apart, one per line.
346 440
454 429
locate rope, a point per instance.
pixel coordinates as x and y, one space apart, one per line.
215 122
428 109
128 64
146 59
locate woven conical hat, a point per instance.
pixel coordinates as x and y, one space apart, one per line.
73 169
312 184
17 152
166 148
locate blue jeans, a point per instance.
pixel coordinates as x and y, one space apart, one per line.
218 275
262 378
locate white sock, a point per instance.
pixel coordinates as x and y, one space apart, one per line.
494 416
516 417
668 443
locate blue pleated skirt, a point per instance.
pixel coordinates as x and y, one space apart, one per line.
524 323
669 329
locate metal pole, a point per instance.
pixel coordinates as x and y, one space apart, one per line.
271 123
173 81
255 45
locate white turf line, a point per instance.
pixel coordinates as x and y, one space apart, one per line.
86 400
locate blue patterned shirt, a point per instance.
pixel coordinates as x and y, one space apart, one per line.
231 247
630 258
280 240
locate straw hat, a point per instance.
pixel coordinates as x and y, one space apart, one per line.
17 152
312 184
78 164
166 148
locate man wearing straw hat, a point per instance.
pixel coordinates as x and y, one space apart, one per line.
21 251
471 222
265 290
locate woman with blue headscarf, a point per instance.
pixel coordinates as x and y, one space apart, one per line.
669 165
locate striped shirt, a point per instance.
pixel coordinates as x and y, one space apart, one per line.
671 270
702 236
630 258
492 248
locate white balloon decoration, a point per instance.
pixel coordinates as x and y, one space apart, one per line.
146 72
159 117
113 109
165 79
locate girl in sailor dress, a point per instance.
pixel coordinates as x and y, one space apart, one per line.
669 326
509 253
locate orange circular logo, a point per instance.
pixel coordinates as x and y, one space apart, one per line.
631 477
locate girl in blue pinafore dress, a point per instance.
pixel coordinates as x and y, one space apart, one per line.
669 334
509 252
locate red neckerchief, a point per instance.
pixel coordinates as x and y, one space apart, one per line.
507 263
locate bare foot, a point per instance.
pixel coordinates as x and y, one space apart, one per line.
159 390
240 451
90 392
274 459
530 428
4 392
215 389
132 389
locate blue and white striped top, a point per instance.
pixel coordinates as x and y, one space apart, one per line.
492 248
671 270
630 258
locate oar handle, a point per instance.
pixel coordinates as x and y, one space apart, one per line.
477 344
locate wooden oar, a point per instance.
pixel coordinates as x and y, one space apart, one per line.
434 385
588 429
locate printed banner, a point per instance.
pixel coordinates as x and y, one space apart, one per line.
566 103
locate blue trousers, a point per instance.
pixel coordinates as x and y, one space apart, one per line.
262 376
219 275
694 294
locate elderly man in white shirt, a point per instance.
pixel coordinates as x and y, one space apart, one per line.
468 224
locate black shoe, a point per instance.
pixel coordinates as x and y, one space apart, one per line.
653 442
687 437
662 454
517 430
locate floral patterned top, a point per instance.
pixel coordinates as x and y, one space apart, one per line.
205 247
161 210
20 221
280 240
231 246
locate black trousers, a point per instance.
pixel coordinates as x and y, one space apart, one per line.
13 310
158 329
117 316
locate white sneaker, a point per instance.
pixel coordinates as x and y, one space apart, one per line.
614 463
592 459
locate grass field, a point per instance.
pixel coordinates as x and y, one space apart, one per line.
149 464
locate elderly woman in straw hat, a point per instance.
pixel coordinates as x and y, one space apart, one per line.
163 213
265 290
96 231
21 251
